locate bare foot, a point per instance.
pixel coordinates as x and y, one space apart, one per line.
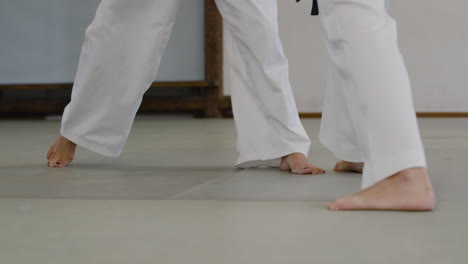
61 153
408 190
349 166
297 163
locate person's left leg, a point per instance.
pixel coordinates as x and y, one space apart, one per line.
119 60
268 126
336 129
361 38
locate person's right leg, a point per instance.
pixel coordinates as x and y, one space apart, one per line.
361 38
119 61
268 126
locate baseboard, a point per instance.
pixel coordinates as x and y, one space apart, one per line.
420 115
442 114
310 115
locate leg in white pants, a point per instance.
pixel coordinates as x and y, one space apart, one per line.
368 114
267 120
121 56
119 61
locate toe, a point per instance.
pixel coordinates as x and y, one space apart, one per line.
298 168
302 171
336 205
320 171
54 164
50 153
51 162
332 206
57 163
317 170
307 169
341 204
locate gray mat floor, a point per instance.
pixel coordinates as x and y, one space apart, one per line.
174 196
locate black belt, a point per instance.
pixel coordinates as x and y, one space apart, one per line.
315 8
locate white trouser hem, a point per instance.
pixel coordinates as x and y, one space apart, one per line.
272 159
387 166
93 146
340 153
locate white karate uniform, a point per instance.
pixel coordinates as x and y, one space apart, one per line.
121 56
368 112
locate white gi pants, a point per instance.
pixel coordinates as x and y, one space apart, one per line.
368 112
120 59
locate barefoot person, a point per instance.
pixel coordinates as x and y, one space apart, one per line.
120 59
369 120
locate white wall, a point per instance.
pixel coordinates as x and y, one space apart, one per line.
433 39
40 41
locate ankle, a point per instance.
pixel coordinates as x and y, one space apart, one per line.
294 156
416 178
412 174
